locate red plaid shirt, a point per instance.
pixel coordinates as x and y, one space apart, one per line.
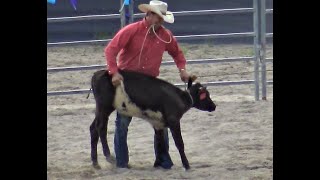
128 42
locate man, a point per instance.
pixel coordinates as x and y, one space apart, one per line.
141 46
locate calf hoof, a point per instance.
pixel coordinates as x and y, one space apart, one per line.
164 165
106 153
156 163
111 159
96 165
187 167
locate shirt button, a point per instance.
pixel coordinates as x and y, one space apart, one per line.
142 67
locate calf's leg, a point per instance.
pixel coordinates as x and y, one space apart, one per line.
94 142
176 134
102 126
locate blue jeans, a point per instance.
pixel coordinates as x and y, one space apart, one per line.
121 147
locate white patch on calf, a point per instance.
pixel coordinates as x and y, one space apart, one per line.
131 109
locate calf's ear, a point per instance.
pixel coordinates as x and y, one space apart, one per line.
192 78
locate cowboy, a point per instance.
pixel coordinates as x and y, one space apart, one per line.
140 46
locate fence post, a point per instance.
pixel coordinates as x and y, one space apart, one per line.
131 12
256 47
126 14
263 48
122 14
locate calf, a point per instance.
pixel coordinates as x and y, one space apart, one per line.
160 103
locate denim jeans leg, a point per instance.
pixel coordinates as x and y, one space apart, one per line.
165 158
120 140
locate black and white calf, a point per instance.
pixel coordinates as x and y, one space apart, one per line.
160 103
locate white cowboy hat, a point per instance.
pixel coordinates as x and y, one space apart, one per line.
159 8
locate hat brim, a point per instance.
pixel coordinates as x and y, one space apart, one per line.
169 18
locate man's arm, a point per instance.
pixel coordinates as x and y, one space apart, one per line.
115 45
178 57
176 53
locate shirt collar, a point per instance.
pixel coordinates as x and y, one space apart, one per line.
146 24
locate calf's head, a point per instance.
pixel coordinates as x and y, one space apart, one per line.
201 96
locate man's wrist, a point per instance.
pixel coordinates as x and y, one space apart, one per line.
182 69
113 72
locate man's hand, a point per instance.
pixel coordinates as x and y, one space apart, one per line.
184 75
116 78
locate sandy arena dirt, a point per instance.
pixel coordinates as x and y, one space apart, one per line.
234 142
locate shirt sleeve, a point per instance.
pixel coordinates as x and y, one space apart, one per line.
175 52
119 41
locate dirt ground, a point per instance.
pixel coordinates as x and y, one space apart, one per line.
234 142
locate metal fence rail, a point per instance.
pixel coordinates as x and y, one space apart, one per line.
219 83
184 37
164 63
138 15
258 11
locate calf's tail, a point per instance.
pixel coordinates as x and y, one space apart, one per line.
89 92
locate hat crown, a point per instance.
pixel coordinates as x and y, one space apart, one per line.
162 6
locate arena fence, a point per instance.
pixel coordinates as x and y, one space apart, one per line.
259 20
